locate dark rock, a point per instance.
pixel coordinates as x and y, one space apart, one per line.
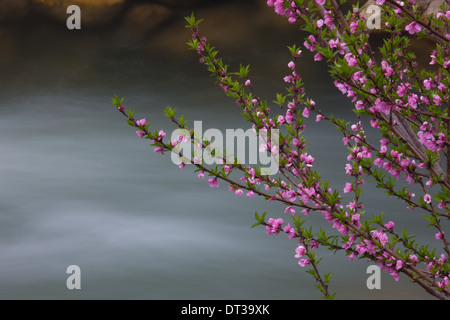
139 21
228 26
13 9
9 45
182 3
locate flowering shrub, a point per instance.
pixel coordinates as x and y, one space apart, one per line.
409 107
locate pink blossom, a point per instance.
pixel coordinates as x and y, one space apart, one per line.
321 2
412 101
357 77
433 57
401 90
319 118
427 198
300 251
379 235
438 236
289 117
318 56
378 162
348 187
360 248
213 183
141 122
413 27
310 46
291 106
161 135
279 8
353 26
405 163
140 134
352 256
305 112
340 86
296 142
319 23
309 160
446 64
356 218
159 150
288 79
437 100
201 175
387 166
273 225
225 87
290 209
250 194
303 262
390 225
395 275
270 231
333 43
197 160
290 231
413 258
386 68
182 138
329 20
351 60
226 169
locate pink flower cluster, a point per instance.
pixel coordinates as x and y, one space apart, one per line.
299 253
391 93
430 138
274 226
285 10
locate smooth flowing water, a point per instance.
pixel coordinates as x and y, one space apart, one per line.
78 187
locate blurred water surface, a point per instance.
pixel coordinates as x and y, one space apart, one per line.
77 186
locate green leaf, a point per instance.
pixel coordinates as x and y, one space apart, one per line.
192 22
243 72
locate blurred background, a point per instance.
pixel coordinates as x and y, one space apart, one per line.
77 186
